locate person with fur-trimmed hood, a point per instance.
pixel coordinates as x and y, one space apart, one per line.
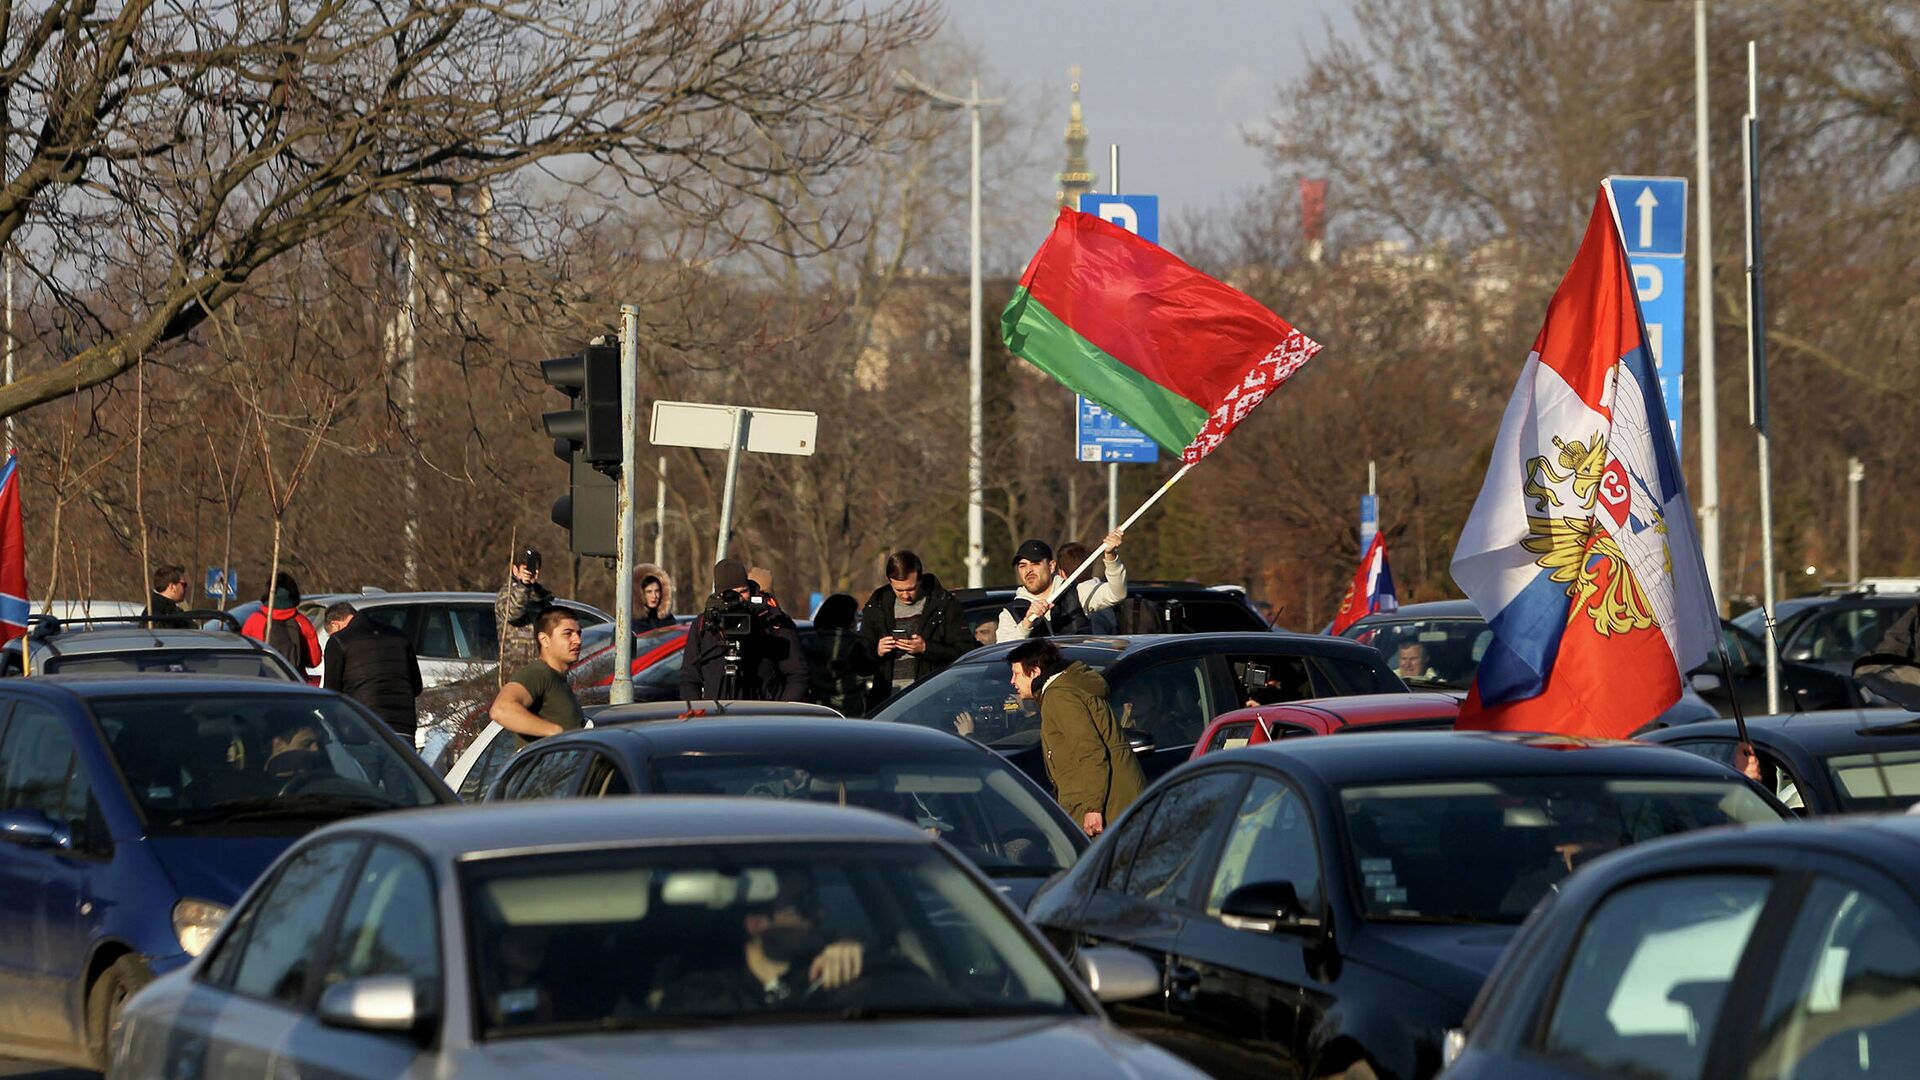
653 593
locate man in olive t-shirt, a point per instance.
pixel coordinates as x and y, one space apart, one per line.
536 701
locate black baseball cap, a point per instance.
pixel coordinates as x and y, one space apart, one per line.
1035 551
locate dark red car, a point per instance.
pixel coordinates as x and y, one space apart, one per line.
1328 716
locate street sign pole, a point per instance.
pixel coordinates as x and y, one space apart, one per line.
660 514
733 477
1100 435
733 428
1113 468
1706 384
621 692
1757 370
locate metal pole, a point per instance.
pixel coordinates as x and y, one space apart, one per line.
1856 472
1709 391
660 514
733 477
408 334
1757 370
976 463
621 692
1113 468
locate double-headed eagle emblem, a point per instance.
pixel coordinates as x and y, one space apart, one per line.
1576 546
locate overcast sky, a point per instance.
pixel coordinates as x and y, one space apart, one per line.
1174 83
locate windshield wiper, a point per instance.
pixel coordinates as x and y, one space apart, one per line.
274 806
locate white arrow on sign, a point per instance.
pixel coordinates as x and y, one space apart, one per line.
1646 202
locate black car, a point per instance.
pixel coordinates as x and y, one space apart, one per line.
1329 907
1804 686
1840 762
950 786
1151 607
1163 687
1781 951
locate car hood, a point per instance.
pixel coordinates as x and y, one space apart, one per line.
216 868
1448 961
923 1049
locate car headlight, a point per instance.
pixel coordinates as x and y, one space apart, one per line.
195 922
1452 1045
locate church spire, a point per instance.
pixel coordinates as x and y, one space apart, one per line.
1076 180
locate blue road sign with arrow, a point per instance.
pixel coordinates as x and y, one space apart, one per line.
1653 222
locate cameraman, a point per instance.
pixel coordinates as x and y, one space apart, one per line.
516 607
761 639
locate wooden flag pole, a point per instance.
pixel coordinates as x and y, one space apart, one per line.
1062 583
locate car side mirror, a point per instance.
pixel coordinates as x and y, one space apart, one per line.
378 1003
1117 974
1705 683
31 828
1140 742
1266 907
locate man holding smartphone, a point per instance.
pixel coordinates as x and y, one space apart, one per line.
914 627
515 608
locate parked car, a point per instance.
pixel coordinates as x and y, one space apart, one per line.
1778 951
1163 688
1151 607
1329 907
1447 638
1328 716
453 633
952 787
134 811
595 939
484 758
1840 762
1804 686
135 644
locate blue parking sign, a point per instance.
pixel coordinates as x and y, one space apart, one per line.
1098 435
1653 222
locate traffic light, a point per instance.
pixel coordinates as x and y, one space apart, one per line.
592 381
587 438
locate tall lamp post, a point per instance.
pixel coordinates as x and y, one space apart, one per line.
976 456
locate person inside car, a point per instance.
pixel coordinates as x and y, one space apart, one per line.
784 959
293 747
1580 835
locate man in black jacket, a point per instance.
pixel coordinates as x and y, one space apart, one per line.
770 667
915 627
374 665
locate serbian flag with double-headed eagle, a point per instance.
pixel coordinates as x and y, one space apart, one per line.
1371 591
1166 348
1580 550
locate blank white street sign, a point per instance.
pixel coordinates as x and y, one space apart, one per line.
706 426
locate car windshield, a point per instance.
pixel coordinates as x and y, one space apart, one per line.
971 698
1883 781
222 759
1754 621
972 800
249 662
1485 851
1440 653
586 942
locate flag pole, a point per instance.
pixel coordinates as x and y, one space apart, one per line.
1061 583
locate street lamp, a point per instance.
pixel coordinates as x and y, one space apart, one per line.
910 83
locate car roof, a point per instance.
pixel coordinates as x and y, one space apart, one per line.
1818 732
1094 649
1359 709
735 734
1890 842
1394 756
1432 609
649 712
181 684
85 641
519 827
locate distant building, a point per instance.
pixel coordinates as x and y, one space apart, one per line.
1076 179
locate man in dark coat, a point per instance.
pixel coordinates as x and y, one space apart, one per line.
771 665
373 665
169 589
912 626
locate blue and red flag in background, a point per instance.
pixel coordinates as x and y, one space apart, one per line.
1371 591
1580 551
13 555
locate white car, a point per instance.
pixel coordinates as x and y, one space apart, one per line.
665 938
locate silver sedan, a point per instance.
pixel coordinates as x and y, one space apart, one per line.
682 937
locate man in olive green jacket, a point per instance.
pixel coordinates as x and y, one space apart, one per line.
1093 770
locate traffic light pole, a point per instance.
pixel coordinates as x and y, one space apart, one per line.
621 693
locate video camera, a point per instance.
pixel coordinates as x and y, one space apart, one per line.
732 617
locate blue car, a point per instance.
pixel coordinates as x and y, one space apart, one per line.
135 810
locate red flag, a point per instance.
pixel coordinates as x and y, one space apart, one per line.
13 555
1371 591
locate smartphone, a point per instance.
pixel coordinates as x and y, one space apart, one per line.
902 632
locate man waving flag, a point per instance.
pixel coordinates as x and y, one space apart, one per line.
1580 550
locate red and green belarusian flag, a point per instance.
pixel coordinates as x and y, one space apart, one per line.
1163 346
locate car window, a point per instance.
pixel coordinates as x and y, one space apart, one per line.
604 778
1127 844
1641 995
1271 839
1775 775
545 776
1882 781
1843 1000
500 750
251 664
433 639
391 616
1216 616
38 761
481 633
1429 653
275 962
1272 680
1228 736
391 925
1840 634
1179 839
1336 677
1744 651
1171 701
